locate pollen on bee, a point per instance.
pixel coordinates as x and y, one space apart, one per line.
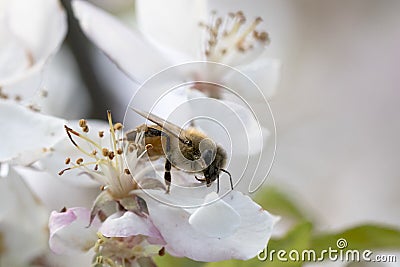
149 146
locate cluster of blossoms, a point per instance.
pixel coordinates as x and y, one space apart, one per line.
126 226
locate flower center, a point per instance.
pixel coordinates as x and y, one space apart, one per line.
119 252
110 168
229 36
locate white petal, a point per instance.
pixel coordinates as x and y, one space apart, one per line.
215 220
232 125
55 192
264 72
128 48
54 161
69 231
39 27
13 57
62 81
26 133
23 221
184 240
128 224
173 24
41 24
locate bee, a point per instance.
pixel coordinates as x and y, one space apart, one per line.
188 149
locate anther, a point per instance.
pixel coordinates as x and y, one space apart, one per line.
101 134
62 171
105 152
79 161
161 252
67 160
111 155
119 151
127 171
44 93
118 126
82 123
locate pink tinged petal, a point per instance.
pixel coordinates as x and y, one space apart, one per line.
69 231
128 224
26 135
23 222
184 239
215 220
126 47
174 26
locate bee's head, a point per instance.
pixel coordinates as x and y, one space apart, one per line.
215 161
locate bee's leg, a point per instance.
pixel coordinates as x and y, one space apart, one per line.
200 179
217 184
151 132
167 174
208 181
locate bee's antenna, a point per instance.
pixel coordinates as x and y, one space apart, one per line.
230 176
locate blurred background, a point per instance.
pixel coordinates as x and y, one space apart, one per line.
336 108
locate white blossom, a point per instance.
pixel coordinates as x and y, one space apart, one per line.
31 31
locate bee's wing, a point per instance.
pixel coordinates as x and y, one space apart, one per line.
166 126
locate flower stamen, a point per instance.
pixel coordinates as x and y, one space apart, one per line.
229 35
